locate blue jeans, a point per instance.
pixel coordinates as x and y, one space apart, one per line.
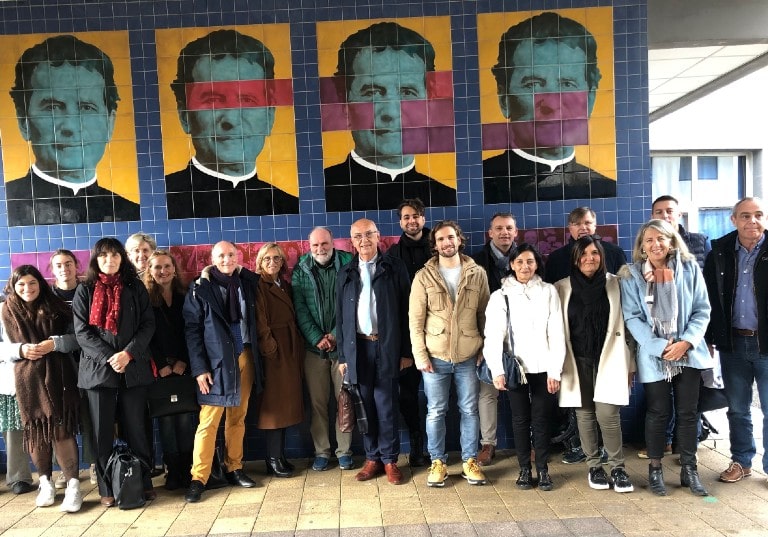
741 367
437 388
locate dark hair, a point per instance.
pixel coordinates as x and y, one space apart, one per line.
666 197
217 45
127 271
541 28
379 37
46 302
153 289
502 215
580 246
57 51
527 247
414 203
579 213
447 223
68 253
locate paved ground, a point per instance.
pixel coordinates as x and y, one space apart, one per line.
332 503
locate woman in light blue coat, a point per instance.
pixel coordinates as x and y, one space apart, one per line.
666 308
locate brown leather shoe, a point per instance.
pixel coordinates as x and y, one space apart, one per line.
108 501
394 475
486 455
735 472
370 470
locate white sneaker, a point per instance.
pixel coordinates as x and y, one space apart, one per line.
61 481
46 493
73 498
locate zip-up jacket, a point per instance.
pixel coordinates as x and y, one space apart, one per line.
441 328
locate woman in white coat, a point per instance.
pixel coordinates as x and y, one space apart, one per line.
539 344
598 363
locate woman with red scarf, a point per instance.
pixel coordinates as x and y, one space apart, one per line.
114 324
37 336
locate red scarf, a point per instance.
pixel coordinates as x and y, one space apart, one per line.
105 308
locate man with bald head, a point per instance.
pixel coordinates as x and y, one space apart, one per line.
219 315
314 298
374 344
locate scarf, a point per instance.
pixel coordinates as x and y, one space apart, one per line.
46 389
231 284
661 286
105 307
589 297
501 259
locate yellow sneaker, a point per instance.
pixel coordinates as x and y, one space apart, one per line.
472 473
437 474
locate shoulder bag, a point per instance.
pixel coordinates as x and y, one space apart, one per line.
513 372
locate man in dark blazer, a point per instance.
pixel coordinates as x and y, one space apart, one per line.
374 344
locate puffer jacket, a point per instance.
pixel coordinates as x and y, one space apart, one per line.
210 341
441 328
537 327
134 333
313 321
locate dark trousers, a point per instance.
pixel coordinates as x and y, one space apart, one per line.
275 440
659 400
105 403
409 381
379 396
531 406
177 433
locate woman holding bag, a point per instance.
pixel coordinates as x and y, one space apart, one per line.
536 326
114 324
598 367
666 308
169 353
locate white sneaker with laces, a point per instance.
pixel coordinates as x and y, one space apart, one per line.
46 492
73 498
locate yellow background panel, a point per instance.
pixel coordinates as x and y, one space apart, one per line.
177 149
602 124
120 152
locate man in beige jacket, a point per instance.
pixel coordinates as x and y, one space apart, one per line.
446 320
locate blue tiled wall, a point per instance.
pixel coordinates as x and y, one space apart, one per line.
141 17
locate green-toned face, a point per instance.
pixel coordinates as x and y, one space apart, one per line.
230 134
67 121
385 79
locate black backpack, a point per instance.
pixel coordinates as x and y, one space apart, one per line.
124 476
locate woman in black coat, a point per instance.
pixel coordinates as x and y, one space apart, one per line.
114 323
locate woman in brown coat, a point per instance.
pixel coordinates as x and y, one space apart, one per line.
282 351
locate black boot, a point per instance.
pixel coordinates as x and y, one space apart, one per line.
416 457
689 477
287 464
524 480
656 480
275 467
173 477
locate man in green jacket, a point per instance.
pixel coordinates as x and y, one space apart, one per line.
314 297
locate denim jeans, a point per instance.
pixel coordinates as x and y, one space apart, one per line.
437 388
743 366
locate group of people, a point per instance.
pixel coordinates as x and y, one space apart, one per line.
80 357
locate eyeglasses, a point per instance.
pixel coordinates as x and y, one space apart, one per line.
358 237
273 258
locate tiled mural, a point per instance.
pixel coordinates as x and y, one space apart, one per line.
197 121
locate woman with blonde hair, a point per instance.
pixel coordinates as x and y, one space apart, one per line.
666 308
170 356
282 351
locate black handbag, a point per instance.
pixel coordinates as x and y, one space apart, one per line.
171 395
123 475
711 399
513 372
217 479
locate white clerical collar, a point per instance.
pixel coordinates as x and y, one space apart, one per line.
549 162
381 169
76 187
235 180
